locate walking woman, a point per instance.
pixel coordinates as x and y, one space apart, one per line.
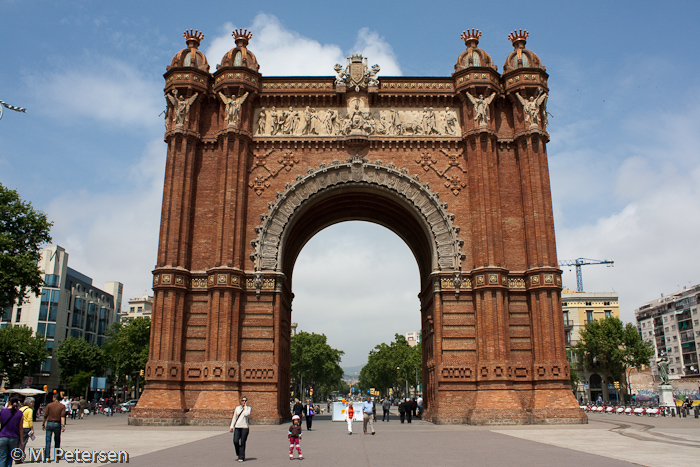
11 432
239 428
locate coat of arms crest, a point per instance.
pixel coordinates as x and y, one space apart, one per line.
356 74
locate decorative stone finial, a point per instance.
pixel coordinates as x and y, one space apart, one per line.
193 38
471 37
518 38
242 37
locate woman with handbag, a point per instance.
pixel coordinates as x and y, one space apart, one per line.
240 427
309 413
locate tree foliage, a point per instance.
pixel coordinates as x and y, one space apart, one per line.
76 356
21 353
608 346
23 231
394 365
127 347
315 362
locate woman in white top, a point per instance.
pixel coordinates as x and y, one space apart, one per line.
239 428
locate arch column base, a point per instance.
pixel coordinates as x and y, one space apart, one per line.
160 406
554 405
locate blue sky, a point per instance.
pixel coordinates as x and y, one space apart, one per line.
624 157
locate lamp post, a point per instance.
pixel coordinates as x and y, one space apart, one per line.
11 107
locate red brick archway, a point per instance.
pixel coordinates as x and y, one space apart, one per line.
455 166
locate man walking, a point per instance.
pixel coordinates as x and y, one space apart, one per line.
54 423
386 405
367 413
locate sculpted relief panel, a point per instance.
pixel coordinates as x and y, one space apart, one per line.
356 119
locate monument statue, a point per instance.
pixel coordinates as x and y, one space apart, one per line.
481 108
233 108
531 107
662 364
180 105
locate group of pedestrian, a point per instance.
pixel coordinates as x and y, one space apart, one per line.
17 426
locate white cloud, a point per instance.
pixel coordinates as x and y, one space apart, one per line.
114 237
107 90
653 237
282 52
358 284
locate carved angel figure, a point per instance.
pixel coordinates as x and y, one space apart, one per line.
531 107
481 108
181 106
233 108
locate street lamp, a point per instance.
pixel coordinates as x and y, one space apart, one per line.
11 107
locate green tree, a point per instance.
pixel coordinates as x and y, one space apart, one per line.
315 363
23 231
608 346
127 347
21 353
77 358
396 365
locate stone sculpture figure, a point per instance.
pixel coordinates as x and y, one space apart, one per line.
430 122
373 81
309 116
531 107
275 121
329 121
450 122
181 106
481 108
233 108
662 364
262 121
342 75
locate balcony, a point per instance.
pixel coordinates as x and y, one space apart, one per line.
568 324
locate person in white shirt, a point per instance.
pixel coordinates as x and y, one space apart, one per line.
239 428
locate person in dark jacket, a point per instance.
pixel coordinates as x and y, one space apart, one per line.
408 408
402 411
298 409
309 413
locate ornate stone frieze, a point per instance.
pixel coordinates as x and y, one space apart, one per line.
358 171
356 118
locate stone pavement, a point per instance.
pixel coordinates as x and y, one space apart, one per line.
608 440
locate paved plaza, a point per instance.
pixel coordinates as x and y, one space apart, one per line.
608 440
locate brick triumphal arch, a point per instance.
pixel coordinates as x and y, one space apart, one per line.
456 166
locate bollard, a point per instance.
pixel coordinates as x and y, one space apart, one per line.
696 412
673 412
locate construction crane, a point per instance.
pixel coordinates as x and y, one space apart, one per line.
581 262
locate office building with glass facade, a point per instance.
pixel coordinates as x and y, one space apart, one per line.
69 305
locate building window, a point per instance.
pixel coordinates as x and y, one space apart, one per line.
589 315
50 330
589 303
608 313
52 280
41 329
46 366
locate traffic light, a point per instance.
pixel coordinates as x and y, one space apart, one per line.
617 385
311 391
141 373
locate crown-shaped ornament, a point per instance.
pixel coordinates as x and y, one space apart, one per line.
242 37
472 35
518 36
193 37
